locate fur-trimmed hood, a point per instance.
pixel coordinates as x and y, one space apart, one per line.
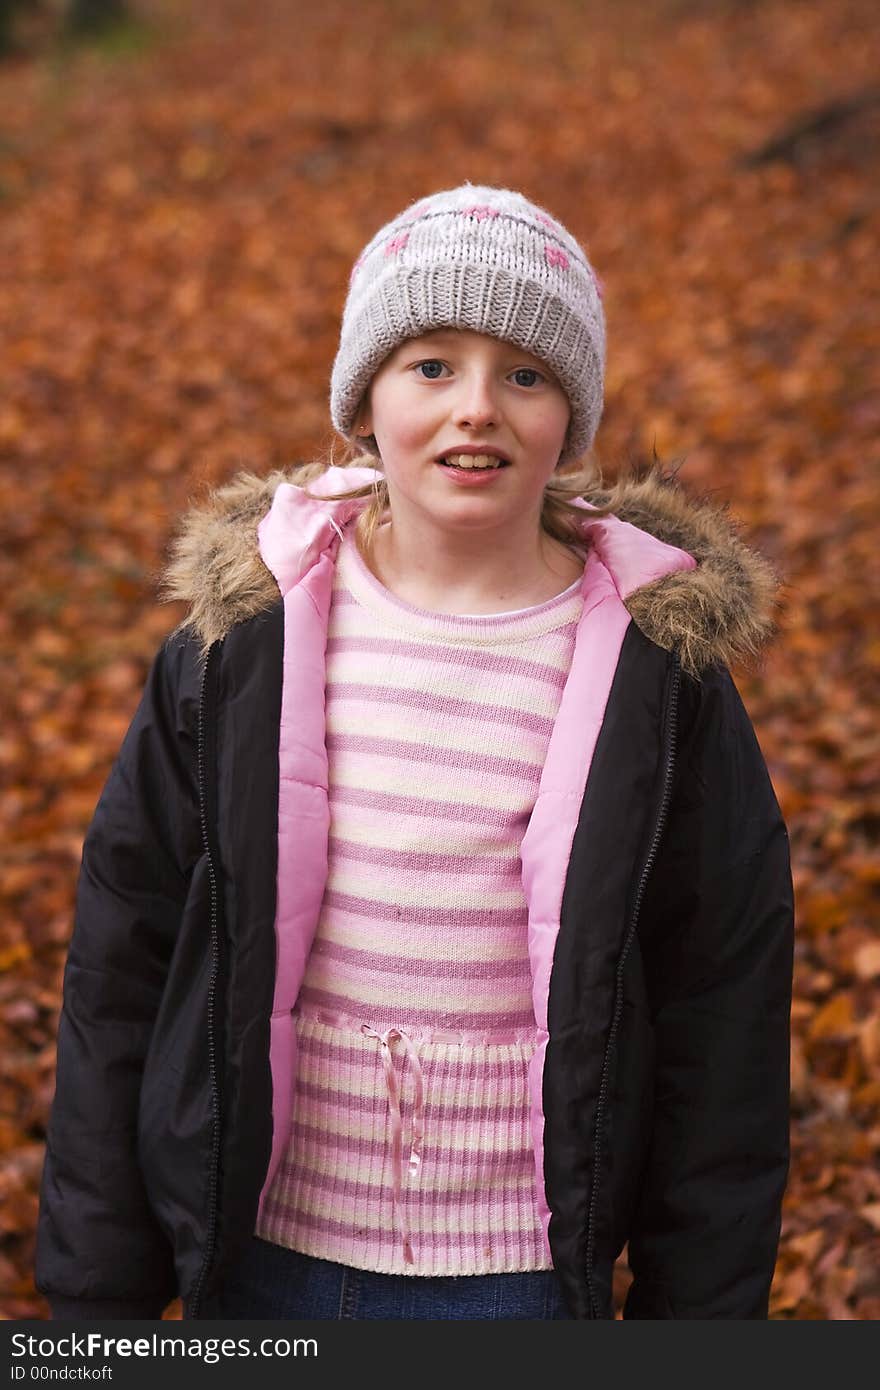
723 610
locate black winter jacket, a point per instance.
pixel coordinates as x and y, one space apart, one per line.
666 1083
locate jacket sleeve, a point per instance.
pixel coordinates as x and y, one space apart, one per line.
100 1252
717 933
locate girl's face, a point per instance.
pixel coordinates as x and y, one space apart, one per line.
453 389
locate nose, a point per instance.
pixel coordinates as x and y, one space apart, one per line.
476 405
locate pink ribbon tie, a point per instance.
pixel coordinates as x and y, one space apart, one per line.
415 1151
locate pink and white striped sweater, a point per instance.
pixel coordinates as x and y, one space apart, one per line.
409 1150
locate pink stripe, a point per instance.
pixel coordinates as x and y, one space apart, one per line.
440 1240
510 1162
492 662
433 754
331 1100
470 787
463 623
335 1120
316 1180
375 994
444 919
493 1071
402 697
498 866
463 812
411 965
376 982
428 1018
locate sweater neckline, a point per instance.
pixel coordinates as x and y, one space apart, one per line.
511 625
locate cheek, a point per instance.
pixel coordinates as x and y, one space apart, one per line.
552 422
391 407
408 429
401 424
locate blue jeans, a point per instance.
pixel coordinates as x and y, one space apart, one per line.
272 1282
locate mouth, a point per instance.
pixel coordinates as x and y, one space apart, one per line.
474 463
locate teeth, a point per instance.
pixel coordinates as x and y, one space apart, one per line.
473 461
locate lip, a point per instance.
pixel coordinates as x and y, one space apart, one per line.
466 477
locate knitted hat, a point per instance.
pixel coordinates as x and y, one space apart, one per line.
485 259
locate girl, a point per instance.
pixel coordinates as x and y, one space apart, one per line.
434 927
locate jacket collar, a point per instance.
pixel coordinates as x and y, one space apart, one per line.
677 562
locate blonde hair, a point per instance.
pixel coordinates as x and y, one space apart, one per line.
560 518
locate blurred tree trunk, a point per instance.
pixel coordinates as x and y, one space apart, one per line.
74 18
91 16
7 8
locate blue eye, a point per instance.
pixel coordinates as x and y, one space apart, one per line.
527 371
431 363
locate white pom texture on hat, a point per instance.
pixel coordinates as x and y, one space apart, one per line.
485 259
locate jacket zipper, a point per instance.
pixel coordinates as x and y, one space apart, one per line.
213 1172
669 766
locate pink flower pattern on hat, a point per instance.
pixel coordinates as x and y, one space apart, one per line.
396 244
480 211
555 256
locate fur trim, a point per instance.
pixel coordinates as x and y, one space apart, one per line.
720 612
216 566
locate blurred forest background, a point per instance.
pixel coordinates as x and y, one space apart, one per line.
183 188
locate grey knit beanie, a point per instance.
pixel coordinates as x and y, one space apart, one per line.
485 259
